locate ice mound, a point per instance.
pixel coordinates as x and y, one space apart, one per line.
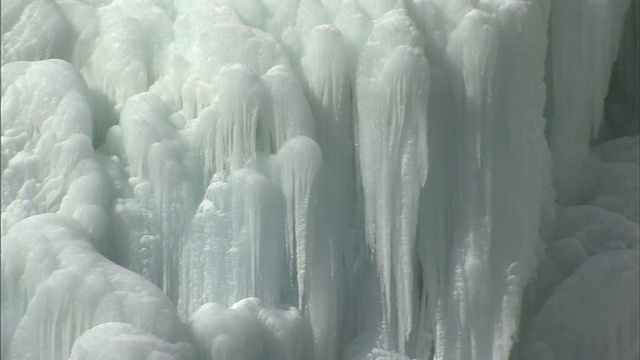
588 279
115 340
48 162
56 286
592 315
34 30
249 330
595 227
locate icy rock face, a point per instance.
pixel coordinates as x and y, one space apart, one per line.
304 179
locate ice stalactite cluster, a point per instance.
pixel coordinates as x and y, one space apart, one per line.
319 179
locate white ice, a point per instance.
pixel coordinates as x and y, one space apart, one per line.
320 179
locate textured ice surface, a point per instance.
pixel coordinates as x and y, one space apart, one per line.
56 286
115 340
250 330
579 87
319 179
593 313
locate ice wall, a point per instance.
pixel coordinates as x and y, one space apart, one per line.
318 179
584 38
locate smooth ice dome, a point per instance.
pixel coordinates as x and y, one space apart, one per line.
320 179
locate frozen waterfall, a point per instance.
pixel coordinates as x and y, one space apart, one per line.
320 179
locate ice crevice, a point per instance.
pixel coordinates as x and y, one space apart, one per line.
319 179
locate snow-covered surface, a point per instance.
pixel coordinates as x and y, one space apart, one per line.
320 179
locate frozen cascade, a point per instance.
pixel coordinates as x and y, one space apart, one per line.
286 112
393 81
235 246
578 87
320 179
153 149
296 168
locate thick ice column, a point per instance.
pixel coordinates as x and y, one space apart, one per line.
584 38
204 265
163 189
235 137
503 184
259 244
393 84
435 229
472 50
284 112
325 69
523 197
327 264
235 246
296 169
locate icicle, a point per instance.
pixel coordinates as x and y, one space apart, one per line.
205 268
393 85
297 166
472 49
157 155
259 234
235 248
238 118
324 66
285 113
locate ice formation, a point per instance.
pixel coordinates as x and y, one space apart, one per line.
56 286
320 179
